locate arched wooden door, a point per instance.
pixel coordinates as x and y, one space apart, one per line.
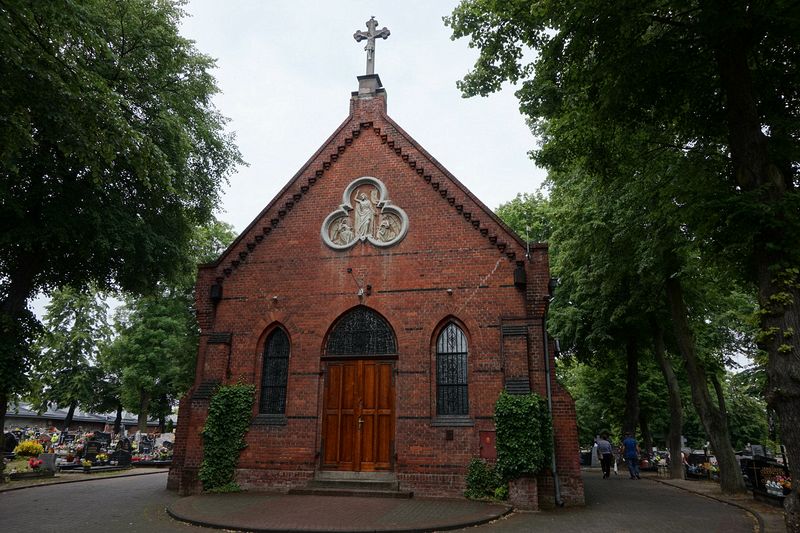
359 397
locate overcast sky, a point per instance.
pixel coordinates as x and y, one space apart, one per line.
286 70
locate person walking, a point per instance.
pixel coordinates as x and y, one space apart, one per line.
605 453
630 451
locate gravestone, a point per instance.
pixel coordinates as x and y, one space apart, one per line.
66 438
757 450
10 443
90 450
121 457
145 447
760 471
48 461
124 444
103 438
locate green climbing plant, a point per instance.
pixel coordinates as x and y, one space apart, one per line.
524 435
228 419
482 480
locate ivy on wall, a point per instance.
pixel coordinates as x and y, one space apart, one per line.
228 419
524 435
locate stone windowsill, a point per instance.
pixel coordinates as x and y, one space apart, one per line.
452 421
269 420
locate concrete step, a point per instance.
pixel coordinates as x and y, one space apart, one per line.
363 484
359 493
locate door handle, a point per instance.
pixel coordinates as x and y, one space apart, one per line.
360 421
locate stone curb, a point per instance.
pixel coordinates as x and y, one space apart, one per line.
185 518
5 488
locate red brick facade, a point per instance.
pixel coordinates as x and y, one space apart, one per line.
457 262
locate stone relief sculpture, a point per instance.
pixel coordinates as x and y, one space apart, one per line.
365 215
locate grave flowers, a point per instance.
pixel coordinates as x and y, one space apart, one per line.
87 465
102 458
34 464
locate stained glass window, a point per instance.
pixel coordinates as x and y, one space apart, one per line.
451 372
275 372
361 331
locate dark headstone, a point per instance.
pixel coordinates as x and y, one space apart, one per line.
66 438
121 457
167 444
10 443
124 444
757 450
91 449
760 471
104 438
145 447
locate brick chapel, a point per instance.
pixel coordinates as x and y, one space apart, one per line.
379 308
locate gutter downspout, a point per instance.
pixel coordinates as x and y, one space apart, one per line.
556 483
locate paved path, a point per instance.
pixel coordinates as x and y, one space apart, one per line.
138 503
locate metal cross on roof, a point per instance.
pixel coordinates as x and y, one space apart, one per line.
370 36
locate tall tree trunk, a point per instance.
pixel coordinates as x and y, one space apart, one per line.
715 424
144 404
676 470
630 418
3 410
70 414
647 437
774 253
162 422
118 419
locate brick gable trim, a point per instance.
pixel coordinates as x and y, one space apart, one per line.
425 166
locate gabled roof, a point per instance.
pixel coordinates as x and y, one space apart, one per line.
430 171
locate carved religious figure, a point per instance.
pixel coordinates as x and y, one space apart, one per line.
365 215
343 233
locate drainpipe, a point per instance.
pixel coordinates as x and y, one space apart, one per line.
559 502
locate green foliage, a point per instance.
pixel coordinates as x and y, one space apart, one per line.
524 435
528 215
482 480
29 448
223 436
111 153
154 350
75 331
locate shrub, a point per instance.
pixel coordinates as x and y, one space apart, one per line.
29 448
223 436
524 435
482 480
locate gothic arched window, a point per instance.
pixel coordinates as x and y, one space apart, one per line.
274 373
451 372
361 331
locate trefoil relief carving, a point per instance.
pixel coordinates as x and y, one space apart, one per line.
365 215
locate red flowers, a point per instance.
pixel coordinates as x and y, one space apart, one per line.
35 463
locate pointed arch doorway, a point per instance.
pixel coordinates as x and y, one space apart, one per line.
359 396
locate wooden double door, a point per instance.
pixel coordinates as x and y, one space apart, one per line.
358 423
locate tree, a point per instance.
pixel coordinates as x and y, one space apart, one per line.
65 373
111 152
154 350
528 216
714 77
157 335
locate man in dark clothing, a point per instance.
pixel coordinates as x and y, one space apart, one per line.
605 454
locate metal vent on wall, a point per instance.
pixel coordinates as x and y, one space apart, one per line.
219 338
509 330
518 386
205 390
